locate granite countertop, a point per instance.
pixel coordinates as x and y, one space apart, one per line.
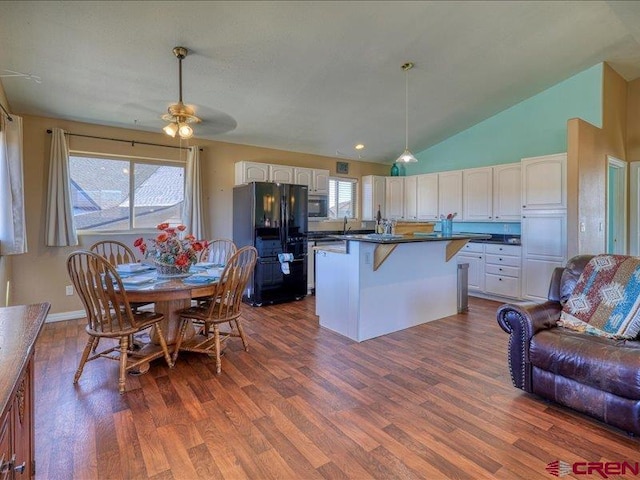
430 237
331 234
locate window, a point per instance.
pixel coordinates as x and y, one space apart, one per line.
115 194
342 197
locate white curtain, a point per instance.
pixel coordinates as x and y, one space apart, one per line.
192 213
60 230
13 237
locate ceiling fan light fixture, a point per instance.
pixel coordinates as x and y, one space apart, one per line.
407 156
178 114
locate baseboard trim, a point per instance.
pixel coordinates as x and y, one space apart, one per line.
62 316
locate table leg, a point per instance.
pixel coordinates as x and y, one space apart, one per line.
171 323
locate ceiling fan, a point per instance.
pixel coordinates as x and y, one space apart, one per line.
178 114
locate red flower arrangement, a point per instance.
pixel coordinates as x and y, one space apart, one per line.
172 247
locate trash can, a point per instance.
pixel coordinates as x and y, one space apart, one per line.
463 287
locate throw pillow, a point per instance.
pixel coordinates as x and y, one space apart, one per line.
606 299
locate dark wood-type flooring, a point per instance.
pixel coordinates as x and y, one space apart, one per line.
430 402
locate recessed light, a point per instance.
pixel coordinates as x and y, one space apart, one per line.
359 146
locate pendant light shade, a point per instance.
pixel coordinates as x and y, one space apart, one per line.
407 156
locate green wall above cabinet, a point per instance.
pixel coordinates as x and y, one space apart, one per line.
536 126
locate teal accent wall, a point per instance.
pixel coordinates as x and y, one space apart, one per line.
484 227
536 126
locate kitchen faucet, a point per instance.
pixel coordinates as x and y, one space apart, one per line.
344 226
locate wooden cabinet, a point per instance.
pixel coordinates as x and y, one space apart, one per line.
20 326
394 197
507 192
477 188
317 180
247 172
373 195
544 182
450 193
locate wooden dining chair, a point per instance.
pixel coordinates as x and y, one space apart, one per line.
109 315
219 251
115 252
223 308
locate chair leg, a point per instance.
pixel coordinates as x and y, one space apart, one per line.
95 344
216 339
245 344
85 355
124 345
163 344
183 329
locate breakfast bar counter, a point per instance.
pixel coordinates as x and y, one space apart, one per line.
379 284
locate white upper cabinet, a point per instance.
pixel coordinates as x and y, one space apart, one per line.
426 196
247 172
394 197
506 192
544 182
373 196
450 193
281 174
303 176
410 198
320 182
477 188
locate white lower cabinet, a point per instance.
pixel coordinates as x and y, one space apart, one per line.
502 270
473 254
494 269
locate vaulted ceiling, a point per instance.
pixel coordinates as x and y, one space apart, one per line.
314 77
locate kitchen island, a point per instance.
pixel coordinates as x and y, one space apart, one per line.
378 284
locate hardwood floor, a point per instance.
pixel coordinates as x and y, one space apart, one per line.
433 401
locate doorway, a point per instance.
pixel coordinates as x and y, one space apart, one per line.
616 221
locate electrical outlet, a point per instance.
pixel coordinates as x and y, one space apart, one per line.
68 290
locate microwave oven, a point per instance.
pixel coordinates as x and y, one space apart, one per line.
318 206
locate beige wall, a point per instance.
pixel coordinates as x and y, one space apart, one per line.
40 275
5 262
587 150
633 121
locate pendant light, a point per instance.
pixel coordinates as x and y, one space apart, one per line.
407 156
180 115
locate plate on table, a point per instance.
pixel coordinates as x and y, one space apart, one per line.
204 265
200 279
131 267
138 280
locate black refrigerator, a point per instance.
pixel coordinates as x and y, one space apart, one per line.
273 218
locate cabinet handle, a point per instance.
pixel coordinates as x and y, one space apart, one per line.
500 269
500 248
524 206
480 258
500 279
500 259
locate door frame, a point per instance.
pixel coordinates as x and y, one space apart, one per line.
621 197
634 213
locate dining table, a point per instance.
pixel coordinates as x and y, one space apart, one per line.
169 295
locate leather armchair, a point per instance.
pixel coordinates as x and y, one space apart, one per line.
594 375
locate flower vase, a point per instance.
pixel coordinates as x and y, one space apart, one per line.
166 270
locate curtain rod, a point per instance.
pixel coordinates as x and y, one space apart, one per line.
132 142
6 113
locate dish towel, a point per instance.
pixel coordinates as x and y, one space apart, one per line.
284 259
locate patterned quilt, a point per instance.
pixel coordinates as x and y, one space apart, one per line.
606 300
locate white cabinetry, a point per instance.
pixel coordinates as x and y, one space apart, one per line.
543 222
502 270
281 174
317 180
507 192
477 188
247 172
394 197
473 254
410 198
373 195
450 193
544 243
544 182
427 196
